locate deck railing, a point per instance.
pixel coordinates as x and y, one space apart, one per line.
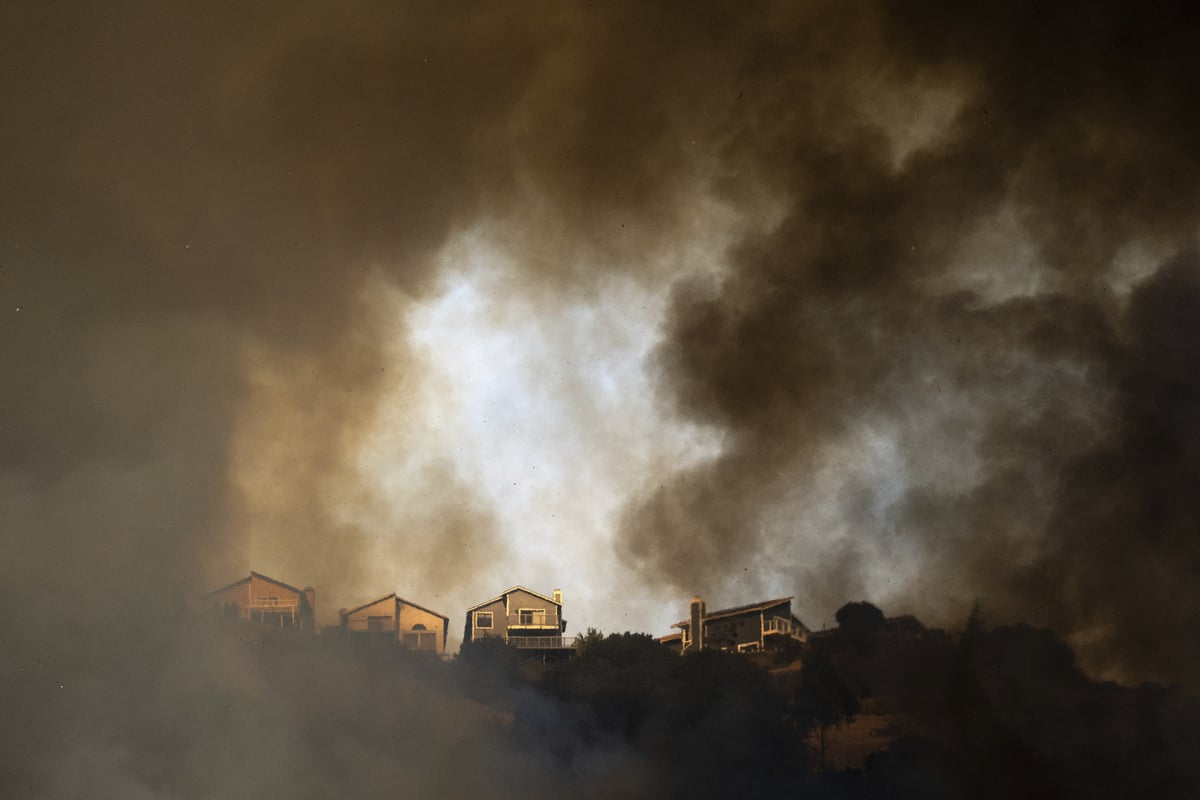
531 642
528 620
273 604
781 625
543 642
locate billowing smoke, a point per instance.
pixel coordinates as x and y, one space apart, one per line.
964 303
961 301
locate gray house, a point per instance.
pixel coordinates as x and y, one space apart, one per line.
521 617
757 626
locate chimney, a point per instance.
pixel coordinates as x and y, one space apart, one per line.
310 594
558 596
696 623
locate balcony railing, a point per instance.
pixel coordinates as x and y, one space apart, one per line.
272 604
527 620
531 642
543 642
781 625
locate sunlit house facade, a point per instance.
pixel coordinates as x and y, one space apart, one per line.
521 617
264 601
395 619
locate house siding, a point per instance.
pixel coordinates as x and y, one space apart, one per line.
359 620
520 599
729 629
728 633
411 616
403 619
499 620
250 597
506 610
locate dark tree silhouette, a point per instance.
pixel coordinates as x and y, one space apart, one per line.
859 617
822 703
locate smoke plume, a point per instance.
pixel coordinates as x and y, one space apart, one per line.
962 305
957 322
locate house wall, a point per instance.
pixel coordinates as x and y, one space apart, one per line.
729 632
358 621
261 588
245 594
784 610
411 616
520 599
305 617
499 620
504 614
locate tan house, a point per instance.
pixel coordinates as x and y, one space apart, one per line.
396 619
767 625
265 601
522 617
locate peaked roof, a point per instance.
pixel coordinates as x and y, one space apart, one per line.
253 574
733 612
399 600
507 592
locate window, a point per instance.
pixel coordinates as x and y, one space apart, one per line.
418 627
379 624
532 616
483 619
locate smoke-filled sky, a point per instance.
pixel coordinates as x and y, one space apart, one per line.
894 301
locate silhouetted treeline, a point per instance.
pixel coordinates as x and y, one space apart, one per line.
1006 712
237 711
988 712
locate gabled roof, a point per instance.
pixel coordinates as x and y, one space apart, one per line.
398 599
422 608
350 611
253 574
735 611
507 592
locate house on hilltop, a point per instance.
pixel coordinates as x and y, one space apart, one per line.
767 625
265 601
521 617
395 619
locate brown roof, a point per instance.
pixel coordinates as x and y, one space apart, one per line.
253 574
422 608
398 599
350 611
736 610
670 637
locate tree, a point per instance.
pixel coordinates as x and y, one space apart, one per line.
488 668
585 642
822 703
859 617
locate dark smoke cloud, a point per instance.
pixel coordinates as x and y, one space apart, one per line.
1075 406
199 205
